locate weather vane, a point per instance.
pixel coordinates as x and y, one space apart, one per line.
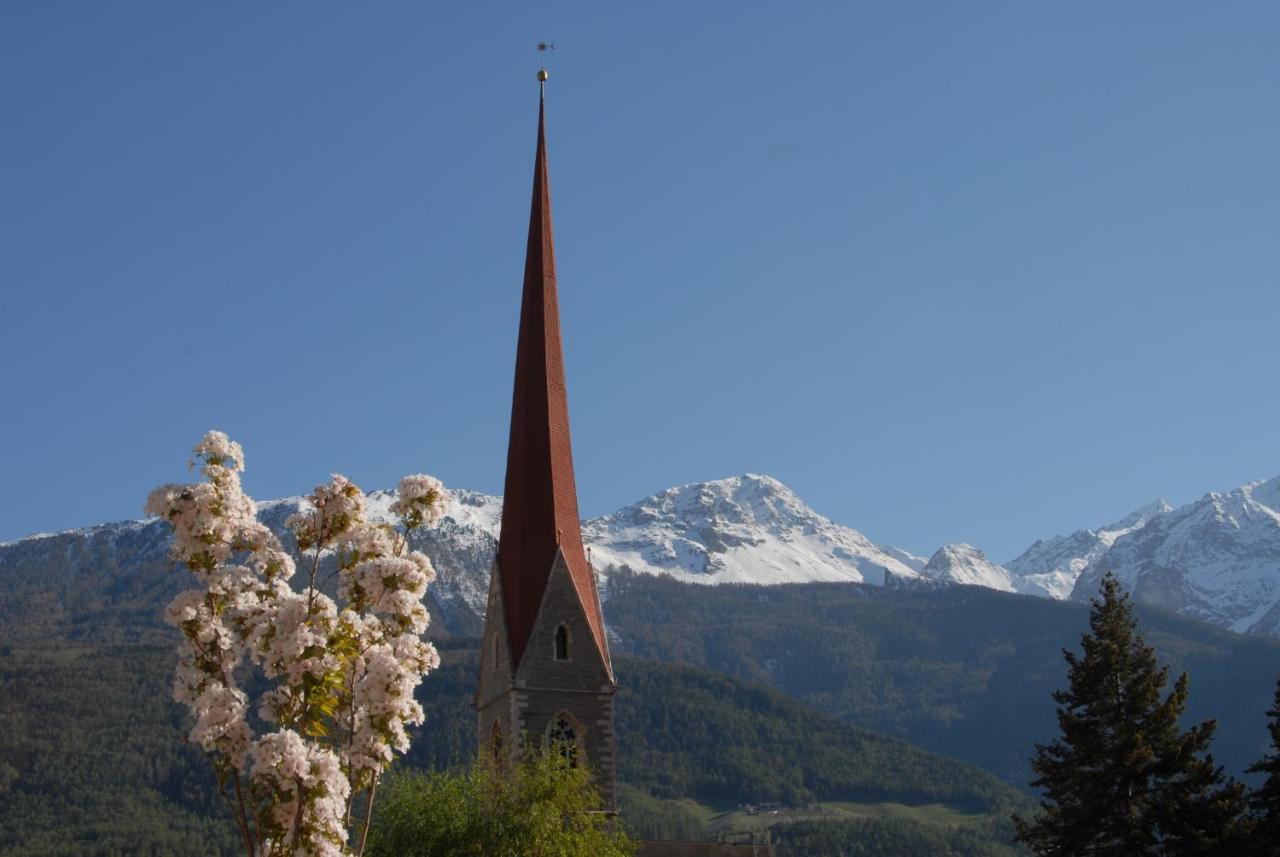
543 47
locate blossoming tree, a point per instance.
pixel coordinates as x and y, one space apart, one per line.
340 674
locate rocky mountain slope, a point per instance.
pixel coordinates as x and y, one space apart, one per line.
1049 568
1055 564
1217 559
968 566
748 529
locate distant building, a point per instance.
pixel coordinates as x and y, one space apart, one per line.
545 673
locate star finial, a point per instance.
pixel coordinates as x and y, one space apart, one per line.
543 47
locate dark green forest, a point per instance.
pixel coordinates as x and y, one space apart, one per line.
93 764
875 837
91 759
959 670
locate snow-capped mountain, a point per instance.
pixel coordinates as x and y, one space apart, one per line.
747 529
1217 559
1052 566
965 564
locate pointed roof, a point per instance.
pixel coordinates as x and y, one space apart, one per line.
540 502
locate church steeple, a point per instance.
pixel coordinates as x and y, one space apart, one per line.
540 503
545 677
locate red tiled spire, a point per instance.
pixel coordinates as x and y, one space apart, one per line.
540 503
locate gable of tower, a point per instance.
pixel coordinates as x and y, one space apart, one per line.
584 667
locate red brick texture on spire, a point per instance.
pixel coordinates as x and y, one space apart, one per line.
540 503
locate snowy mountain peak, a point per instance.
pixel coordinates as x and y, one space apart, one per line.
1256 498
744 529
1053 565
1137 518
750 499
965 564
1217 559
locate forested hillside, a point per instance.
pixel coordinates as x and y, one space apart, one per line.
91 759
959 670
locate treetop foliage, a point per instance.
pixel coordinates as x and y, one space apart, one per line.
541 808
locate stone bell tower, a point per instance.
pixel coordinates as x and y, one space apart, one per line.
545 674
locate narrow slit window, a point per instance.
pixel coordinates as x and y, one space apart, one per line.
562 643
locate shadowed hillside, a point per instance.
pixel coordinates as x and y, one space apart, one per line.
960 670
91 759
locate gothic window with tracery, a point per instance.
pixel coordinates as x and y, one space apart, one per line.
562 643
562 738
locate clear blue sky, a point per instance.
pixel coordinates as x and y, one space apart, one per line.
971 272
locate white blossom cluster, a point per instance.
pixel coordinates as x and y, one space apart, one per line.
342 677
418 500
307 794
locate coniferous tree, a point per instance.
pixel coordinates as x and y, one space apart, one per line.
1123 779
1265 800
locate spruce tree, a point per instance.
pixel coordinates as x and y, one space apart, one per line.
1123 779
1265 800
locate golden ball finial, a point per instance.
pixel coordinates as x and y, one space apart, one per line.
542 75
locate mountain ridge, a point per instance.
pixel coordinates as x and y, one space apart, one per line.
1217 559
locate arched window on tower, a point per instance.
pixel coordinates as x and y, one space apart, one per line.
562 643
562 738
